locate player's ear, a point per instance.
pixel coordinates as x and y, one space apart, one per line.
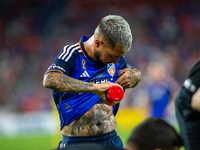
98 43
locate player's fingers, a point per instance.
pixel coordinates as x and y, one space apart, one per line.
103 96
122 82
121 72
125 84
119 80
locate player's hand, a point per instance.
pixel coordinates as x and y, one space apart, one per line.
128 78
102 88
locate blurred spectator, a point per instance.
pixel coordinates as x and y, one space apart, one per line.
161 89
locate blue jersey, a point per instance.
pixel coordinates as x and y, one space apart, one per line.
74 61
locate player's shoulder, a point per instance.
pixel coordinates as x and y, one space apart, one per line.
68 51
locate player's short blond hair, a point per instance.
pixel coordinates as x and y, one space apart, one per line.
116 29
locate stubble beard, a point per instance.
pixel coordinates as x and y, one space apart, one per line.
97 60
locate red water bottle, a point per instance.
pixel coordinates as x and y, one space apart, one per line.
114 95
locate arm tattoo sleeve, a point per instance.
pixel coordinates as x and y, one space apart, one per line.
134 77
64 83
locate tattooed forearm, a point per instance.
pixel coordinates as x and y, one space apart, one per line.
98 120
64 83
134 77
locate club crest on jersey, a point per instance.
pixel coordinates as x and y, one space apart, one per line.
111 69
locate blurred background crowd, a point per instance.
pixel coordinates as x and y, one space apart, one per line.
166 43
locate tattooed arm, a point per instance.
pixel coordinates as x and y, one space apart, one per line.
63 83
129 78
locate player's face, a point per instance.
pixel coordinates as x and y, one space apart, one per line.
106 55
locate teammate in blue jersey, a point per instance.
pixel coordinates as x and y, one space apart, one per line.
79 77
160 89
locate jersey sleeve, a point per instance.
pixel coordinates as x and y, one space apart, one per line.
65 61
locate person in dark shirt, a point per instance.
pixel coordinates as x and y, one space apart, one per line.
187 107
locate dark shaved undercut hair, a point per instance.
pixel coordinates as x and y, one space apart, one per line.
154 133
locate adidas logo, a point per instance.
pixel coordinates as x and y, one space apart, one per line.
85 74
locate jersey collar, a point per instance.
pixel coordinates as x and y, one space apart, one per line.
82 40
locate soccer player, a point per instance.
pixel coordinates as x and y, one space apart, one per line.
187 106
79 77
154 134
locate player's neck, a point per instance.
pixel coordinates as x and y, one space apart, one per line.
89 44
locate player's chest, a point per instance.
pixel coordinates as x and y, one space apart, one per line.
87 71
